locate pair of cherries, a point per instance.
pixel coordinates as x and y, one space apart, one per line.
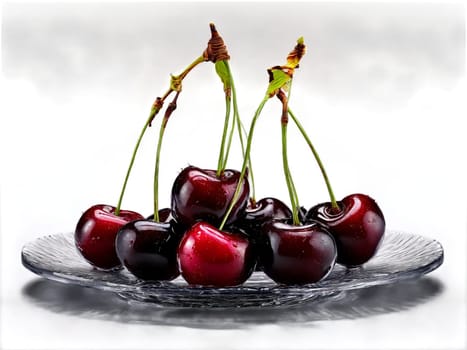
186 237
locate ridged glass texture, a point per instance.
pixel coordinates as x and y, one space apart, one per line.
401 256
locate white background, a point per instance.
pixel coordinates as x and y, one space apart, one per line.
381 92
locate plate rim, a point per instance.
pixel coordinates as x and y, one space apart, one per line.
315 289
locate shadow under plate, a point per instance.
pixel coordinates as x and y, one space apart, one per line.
97 304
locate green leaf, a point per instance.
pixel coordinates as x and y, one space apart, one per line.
280 79
223 73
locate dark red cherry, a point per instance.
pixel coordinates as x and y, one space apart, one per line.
200 195
165 215
302 214
265 210
358 227
148 249
96 231
296 254
210 257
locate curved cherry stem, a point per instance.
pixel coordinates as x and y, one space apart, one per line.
156 173
240 129
288 176
245 162
229 142
171 107
127 176
188 69
223 155
237 124
318 160
175 85
153 113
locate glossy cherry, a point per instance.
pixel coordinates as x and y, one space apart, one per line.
201 195
265 210
292 254
357 227
210 257
96 231
165 215
148 249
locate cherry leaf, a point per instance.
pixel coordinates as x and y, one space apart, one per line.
223 73
279 79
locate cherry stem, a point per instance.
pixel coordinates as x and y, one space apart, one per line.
156 174
288 176
171 107
188 69
127 176
294 191
250 166
229 142
175 85
223 157
237 123
245 162
334 204
240 135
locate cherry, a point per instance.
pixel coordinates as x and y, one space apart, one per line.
165 215
211 257
96 231
302 214
201 195
292 254
148 249
357 227
265 210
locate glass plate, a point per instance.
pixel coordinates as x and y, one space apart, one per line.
401 256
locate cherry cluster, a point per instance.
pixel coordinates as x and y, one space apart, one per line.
215 232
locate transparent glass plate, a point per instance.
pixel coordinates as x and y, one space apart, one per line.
401 256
